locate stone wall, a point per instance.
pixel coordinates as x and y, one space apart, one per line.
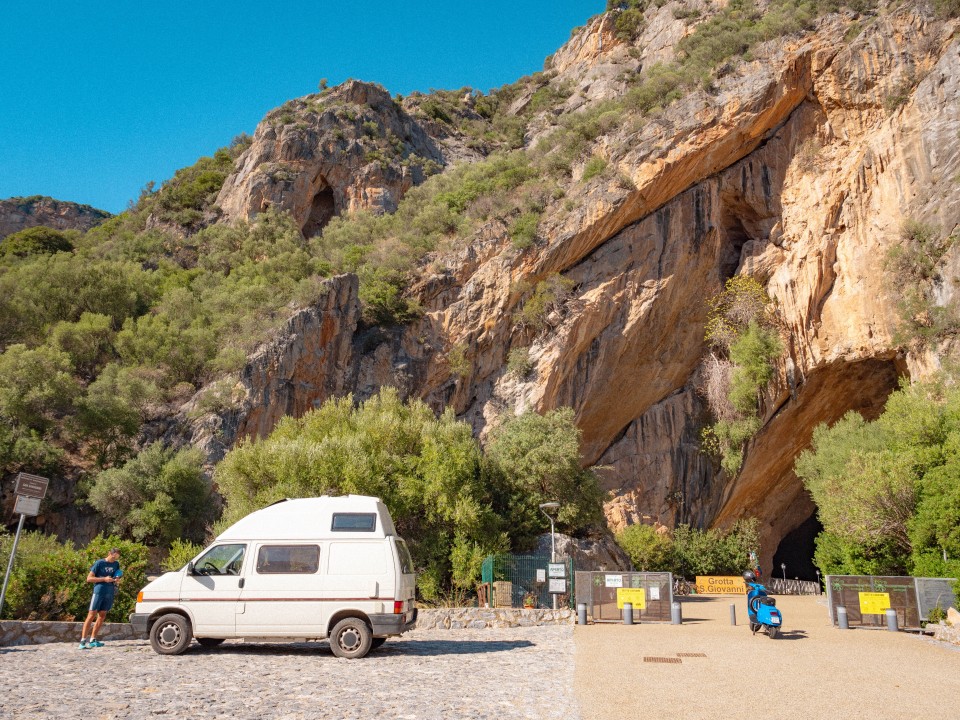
27 632
35 632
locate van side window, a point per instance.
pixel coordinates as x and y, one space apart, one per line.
288 559
354 522
220 560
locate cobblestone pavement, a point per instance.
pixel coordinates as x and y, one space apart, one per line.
503 674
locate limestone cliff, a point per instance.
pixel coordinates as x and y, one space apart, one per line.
20 213
798 166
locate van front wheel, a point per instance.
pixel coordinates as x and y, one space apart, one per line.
351 638
170 634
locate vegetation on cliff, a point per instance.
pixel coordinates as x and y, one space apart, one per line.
688 551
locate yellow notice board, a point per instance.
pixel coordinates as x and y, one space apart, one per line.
720 585
635 596
874 603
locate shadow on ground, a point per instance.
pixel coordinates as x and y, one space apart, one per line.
400 648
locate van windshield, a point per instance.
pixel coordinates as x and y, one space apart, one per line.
220 560
406 562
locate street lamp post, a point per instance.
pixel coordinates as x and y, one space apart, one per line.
552 507
783 566
818 582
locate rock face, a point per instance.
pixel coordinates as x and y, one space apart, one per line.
20 213
350 148
798 168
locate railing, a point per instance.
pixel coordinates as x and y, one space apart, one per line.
779 586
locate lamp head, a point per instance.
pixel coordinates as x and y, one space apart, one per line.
553 505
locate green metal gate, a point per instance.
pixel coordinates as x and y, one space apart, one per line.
523 580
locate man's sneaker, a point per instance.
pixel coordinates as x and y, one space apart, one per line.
95 643
84 645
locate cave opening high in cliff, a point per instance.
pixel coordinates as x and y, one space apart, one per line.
322 210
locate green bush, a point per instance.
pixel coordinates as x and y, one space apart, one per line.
181 552
35 241
523 232
649 550
714 552
519 363
534 459
37 387
158 496
49 580
594 167
88 342
549 296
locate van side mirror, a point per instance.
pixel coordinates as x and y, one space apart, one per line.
190 568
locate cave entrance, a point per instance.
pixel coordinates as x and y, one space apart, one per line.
322 209
796 551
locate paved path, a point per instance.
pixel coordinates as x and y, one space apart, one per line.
812 671
489 674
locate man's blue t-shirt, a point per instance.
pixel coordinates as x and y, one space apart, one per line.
102 568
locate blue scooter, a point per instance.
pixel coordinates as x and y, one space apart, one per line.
761 609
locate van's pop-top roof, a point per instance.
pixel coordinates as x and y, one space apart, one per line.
314 519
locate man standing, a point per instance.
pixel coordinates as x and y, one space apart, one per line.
105 574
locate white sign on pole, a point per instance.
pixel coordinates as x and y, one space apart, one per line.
541 575
613 581
558 586
29 506
557 570
654 592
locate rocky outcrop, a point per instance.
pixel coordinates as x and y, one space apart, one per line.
348 149
798 168
19 213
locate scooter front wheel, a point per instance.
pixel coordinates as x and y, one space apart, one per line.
773 631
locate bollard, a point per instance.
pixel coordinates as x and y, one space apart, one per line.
581 614
733 613
628 613
676 614
892 619
842 618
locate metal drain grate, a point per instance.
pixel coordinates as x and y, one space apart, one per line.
691 654
675 661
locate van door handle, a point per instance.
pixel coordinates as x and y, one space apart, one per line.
240 584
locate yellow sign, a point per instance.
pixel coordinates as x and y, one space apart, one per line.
636 596
874 603
720 585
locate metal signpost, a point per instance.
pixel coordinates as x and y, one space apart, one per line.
30 490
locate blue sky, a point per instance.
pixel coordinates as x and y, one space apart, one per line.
98 98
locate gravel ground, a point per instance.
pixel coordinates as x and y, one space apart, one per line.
502 674
811 671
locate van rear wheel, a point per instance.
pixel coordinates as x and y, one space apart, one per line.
351 638
170 634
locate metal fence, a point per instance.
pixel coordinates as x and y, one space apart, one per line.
599 592
523 581
862 595
779 586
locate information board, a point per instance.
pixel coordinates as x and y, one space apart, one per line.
635 596
29 506
874 603
31 485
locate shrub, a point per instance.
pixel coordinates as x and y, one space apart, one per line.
158 496
181 552
37 387
35 241
519 363
523 232
594 167
88 342
545 306
49 580
649 550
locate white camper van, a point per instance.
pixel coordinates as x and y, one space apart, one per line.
308 569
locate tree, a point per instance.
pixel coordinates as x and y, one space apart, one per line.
37 387
156 497
425 468
535 459
649 550
35 241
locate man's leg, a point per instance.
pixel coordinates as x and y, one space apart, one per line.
85 633
101 616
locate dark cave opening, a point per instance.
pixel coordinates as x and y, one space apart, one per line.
322 210
796 551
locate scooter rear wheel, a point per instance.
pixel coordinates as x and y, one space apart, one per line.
773 631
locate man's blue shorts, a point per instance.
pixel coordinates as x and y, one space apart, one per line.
101 603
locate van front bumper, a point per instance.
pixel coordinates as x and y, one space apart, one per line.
140 622
384 624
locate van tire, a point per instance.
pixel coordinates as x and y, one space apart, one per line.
351 638
210 642
171 634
